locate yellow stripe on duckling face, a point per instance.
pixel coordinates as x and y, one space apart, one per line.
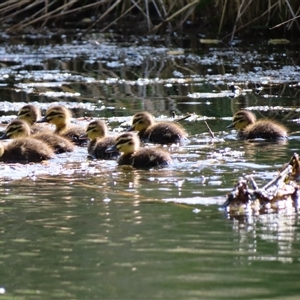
57 115
142 121
29 113
96 129
17 128
242 119
127 143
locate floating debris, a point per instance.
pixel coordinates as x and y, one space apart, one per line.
209 41
280 193
278 41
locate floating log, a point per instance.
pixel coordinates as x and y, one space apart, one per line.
282 192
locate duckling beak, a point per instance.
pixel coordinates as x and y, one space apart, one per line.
83 137
230 126
4 137
111 149
42 120
131 128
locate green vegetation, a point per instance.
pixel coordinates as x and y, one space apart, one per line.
219 18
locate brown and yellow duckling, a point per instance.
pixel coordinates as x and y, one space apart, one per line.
142 158
30 114
60 116
249 128
19 128
99 141
25 150
156 132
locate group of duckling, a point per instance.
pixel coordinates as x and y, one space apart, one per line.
33 142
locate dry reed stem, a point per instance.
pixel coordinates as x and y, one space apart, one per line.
120 17
253 20
17 11
175 14
292 13
222 17
168 11
24 24
102 16
59 14
283 23
210 131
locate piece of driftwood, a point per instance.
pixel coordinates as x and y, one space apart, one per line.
282 192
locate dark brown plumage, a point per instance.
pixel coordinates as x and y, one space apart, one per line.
141 158
19 128
25 150
249 128
156 132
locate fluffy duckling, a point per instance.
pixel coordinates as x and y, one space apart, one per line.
60 116
19 128
24 150
249 128
99 141
157 132
30 114
142 158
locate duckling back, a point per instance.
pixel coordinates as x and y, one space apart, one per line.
150 158
25 150
157 132
145 159
264 129
142 158
249 128
97 148
164 133
58 143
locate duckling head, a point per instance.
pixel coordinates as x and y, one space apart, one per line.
242 119
96 129
58 115
127 143
15 129
29 113
141 121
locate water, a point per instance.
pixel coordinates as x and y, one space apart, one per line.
75 228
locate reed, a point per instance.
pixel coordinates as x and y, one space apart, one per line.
221 18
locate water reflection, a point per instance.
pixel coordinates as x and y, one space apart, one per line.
257 235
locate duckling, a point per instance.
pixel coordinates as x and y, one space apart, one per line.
19 128
129 143
30 114
99 141
160 132
60 116
249 128
24 150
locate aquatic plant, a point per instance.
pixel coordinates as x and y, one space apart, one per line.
220 17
